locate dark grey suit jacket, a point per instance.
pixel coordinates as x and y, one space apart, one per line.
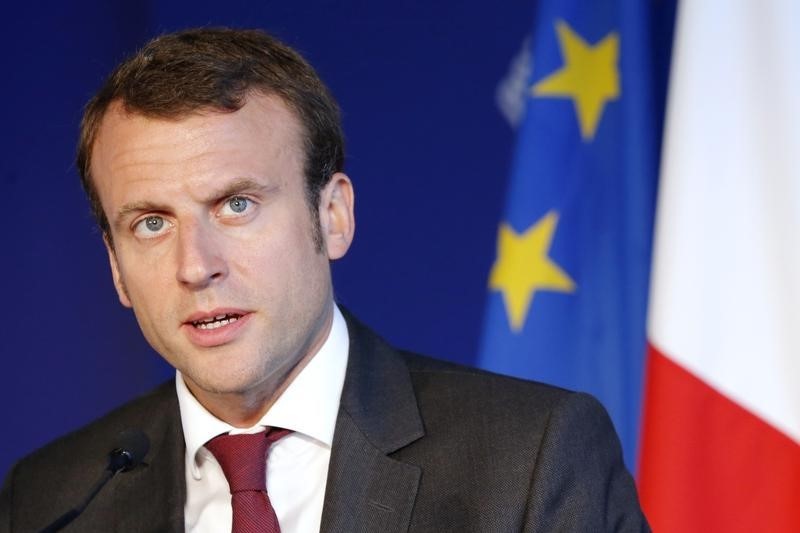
420 446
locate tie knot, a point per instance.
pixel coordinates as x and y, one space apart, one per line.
243 457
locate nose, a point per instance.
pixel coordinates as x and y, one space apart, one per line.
201 260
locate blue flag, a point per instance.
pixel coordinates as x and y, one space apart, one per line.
568 289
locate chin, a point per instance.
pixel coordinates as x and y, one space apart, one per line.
215 382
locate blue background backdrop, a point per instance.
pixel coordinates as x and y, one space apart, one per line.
427 149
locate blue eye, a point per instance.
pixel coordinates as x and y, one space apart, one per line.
154 223
238 204
151 226
237 209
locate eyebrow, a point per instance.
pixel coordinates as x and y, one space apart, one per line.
135 207
236 186
239 186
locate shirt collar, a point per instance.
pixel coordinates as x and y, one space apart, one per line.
308 406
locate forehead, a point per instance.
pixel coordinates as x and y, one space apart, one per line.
264 135
263 118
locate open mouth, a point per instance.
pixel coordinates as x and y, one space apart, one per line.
216 322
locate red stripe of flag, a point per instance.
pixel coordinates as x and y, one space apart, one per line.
709 465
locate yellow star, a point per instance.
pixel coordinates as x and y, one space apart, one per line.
523 267
589 76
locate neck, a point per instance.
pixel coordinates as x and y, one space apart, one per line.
244 409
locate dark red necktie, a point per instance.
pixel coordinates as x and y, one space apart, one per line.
243 459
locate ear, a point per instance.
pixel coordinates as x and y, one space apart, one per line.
122 293
336 216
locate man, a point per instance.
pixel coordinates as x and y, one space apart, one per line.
213 161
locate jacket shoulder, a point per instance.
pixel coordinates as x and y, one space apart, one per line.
99 436
496 439
56 477
480 390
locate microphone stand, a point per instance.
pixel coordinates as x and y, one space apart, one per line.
73 513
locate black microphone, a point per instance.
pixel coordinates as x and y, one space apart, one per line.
132 445
130 449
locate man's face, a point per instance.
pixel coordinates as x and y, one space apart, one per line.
213 242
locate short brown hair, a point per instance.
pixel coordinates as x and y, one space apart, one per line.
180 73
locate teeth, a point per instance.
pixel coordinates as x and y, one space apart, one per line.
216 322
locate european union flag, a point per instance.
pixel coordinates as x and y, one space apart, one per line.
568 290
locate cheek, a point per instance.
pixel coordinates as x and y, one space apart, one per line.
279 260
146 279
287 261
283 236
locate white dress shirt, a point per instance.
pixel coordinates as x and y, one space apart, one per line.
297 465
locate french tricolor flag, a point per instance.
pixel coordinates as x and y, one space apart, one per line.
721 430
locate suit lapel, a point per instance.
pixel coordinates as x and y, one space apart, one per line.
367 490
